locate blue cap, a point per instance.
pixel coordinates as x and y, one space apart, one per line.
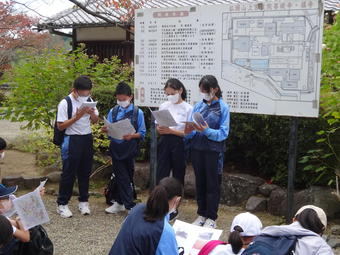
6 191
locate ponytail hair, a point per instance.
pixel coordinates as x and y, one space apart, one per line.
235 239
309 219
176 85
157 205
209 82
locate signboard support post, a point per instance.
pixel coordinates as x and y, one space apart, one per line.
153 153
292 154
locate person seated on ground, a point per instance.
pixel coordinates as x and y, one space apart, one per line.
309 224
243 230
6 236
5 206
146 230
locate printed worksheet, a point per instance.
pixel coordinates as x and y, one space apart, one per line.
192 238
164 118
31 209
119 129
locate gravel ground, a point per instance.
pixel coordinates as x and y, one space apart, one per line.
94 234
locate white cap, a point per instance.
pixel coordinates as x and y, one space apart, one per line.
321 213
250 224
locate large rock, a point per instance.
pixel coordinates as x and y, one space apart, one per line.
33 182
54 177
266 189
276 202
56 167
334 242
319 196
189 182
335 230
13 181
323 197
256 204
237 188
142 175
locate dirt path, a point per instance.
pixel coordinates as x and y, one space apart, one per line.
18 163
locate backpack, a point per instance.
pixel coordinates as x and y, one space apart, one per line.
110 191
39 244
272 245
208 247
58 135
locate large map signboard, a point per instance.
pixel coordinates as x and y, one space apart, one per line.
265 55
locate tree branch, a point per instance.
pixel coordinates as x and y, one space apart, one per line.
29 8
95 14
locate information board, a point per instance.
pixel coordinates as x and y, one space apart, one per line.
265 55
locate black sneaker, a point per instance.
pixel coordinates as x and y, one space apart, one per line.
173 215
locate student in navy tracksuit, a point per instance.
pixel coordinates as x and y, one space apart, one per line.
171 151
77 146
146 230
123 152
207 149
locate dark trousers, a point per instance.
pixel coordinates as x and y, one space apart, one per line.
171 156
123 170
208 182
77 156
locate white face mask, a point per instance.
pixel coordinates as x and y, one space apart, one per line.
123 104
82 99
2 155
173 98
207 96
5 206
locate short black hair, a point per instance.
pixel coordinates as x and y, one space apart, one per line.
6 231
176 85
209 82
123 89
3 144
83 82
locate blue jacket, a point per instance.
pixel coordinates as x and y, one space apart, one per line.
139 237
121 149
218 118
127 113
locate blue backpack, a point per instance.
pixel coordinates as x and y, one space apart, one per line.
272 245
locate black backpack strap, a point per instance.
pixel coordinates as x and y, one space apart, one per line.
135 117
69 107
114 113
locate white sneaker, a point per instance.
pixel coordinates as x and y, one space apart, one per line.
64 211
199 221
115 208
84 208
209 223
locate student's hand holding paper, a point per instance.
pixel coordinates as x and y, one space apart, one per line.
105 129
128 137
89 110
189 127
81 112
164 130
201 127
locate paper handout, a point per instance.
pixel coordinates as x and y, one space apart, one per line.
119 129
88 104
31 209
198 118
164 118
192 238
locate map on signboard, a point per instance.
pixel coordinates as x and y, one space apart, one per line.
265 55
